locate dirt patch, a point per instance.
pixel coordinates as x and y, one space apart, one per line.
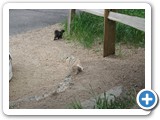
39 65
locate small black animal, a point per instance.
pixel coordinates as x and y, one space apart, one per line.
58 34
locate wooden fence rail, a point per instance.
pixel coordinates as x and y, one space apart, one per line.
110 19
136 22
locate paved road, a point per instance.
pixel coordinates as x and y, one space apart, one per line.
23 20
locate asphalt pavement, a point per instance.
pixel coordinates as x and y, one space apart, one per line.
22 20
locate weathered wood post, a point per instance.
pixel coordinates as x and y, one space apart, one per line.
109 35
70 17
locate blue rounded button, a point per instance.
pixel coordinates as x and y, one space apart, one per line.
147 99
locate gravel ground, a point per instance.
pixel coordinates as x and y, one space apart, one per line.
39 65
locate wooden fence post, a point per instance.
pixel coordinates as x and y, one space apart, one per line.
109 35
70 17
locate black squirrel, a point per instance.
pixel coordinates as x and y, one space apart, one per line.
58 34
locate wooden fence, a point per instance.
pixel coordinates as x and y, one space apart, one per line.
110 19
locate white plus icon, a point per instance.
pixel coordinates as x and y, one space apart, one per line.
147 99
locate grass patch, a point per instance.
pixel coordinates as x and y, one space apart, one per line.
127 101
75 105
127 34
87 28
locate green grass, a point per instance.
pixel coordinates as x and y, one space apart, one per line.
87 28
75 105
127 101
127 34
